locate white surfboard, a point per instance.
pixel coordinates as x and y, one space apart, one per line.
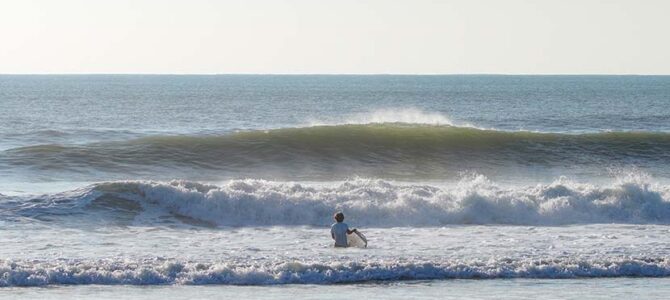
357 239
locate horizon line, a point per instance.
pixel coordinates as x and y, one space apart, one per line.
336 74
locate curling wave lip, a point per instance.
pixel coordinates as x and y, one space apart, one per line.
392 150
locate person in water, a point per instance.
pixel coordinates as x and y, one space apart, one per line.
340 230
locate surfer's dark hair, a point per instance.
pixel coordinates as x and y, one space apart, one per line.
339 216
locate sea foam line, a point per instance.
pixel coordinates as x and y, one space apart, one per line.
162 272
373 202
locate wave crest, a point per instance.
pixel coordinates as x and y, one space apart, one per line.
378 203
337 152
160 272
393 115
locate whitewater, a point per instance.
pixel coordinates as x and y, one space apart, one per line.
373 203
228 184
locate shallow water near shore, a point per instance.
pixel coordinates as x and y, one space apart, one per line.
617 288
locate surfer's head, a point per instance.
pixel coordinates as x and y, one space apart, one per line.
339 216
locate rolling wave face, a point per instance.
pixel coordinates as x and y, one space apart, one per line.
152 272
372 150
370 203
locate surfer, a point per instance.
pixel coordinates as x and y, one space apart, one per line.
339 230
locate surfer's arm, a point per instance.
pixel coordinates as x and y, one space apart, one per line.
351 231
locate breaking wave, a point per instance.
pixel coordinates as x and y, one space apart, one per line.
161 272
393 116
368 202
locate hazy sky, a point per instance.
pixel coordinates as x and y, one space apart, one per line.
339 36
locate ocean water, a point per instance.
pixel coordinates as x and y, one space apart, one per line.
466 186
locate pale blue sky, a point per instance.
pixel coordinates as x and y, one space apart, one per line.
343 36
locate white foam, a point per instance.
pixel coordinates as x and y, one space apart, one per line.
160 271
409 115
379 203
